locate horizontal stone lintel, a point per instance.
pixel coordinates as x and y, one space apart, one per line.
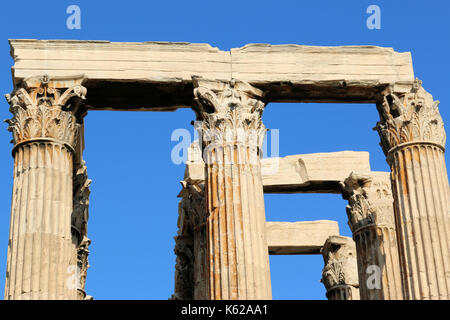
304 237
157 76
305 173
311 173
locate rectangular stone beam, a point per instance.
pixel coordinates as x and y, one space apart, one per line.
311 173
305 237
158 75
304 173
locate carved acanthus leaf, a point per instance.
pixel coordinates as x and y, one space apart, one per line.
370 200
184 268
410 117
333 274
81 192
83 262
194 205
191 219
340 268
229 111
45 112
80 216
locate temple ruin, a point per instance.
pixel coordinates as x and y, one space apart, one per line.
399 220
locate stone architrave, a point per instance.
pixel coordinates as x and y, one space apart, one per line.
300 237
413 138
46 253
302 173
157 76
371 219
45 126
340 274
232 132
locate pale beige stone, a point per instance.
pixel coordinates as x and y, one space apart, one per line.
302 237
191 279
45 251
340 274
264 63
160 77
237 257
413 138
179 60
79 226
316 172
191 276
371 219
164 70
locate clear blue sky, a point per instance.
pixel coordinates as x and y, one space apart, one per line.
133 210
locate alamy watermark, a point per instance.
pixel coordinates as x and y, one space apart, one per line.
374 20
74 19
202 143
373 281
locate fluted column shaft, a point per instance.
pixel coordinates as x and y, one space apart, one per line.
201 291
191 278
371 219
40 250
421 186
413 139
237 256
340 275
40 240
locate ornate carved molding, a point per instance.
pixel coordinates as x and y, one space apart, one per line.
83 265
193 204
411 117
184 268
339 254
80 216
192 217
229 112
370 200
81 192
46 109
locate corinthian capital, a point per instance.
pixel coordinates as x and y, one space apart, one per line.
229 108
46 108
339 255
81 192
411 117
370 200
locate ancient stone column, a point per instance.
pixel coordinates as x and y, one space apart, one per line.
184 251
80 241
340 274
413 139
232 133
191 279
197 219
371 219
40 248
